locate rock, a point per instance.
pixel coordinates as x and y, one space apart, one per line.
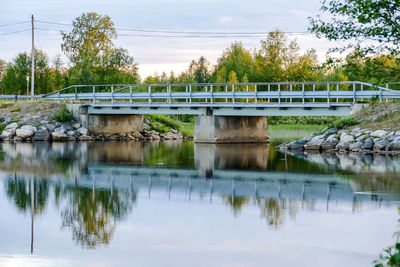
85 138
379 133
17 139
82 131
71 138
329 143
13 125
155 137
394 145
8 134
368 144
298 145
397 133
60 129
59 136
42 134
393 137
380 145
355 147
345 141
136 134
146 126
24 133
76 125
51 127
71 133
314 144
355 130
361 139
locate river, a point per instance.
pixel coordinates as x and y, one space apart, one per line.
180 204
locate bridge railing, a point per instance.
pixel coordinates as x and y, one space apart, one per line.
277 93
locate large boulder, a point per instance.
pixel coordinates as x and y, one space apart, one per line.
378 133
42 134
368 144
13 125
355 147
330 142
299 144
380 145
59 136
394 145
26 131
82 131
345 141
314 144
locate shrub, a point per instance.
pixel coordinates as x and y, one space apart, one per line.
63 115
344 122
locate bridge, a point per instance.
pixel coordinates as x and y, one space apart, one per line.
227 112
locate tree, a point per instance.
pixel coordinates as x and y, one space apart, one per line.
3 66
91 38
358 21
200 70
280 60
236 58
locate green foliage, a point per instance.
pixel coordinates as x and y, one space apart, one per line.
390 255
63 115
6 105
17 109
301 120
344 122
358 20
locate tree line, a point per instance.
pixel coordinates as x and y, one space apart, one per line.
94 59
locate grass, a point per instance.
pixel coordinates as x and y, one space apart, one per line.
6 105
289 132
185 128
17 109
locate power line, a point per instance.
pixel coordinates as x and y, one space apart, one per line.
15 23
8 33
241 34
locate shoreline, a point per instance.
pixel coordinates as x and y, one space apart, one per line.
359 141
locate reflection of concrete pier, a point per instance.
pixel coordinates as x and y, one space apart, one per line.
209 157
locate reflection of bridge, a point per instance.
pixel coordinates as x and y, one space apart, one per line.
249 184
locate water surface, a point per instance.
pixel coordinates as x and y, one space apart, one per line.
179 204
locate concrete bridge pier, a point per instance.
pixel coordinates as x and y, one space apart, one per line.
231 129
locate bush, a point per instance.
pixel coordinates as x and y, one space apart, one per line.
344 122
63 115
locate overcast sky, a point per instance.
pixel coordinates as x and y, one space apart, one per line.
155 54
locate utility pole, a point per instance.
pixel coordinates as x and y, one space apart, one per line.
33 59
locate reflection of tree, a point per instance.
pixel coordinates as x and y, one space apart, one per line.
271 210
236 203
19 190
92 215
274 210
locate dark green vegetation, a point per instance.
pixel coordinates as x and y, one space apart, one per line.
63 115
361 20
390 255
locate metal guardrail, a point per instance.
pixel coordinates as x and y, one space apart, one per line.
228 93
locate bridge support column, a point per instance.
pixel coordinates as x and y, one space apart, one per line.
231 129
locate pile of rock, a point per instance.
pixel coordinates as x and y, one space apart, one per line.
356 140
73 131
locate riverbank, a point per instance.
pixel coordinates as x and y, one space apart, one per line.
25 121
375 129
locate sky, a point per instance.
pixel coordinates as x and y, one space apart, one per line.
158 54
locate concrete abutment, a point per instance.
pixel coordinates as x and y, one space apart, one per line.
231 129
